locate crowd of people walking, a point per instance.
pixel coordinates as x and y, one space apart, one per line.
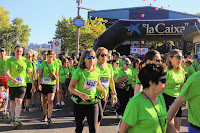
145 93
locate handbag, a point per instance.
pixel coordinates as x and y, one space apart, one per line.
52 76
67 81
122 85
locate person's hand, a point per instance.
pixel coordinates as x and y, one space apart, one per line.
104 94
114 99
14 81
83 96
126 76
39 87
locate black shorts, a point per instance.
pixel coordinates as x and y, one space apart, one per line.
63 86
17 92
28 91
168 101
46 89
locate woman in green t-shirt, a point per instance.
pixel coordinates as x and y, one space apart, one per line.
175 79
146 111
48 85
116 68
64 74
106 78
84 85
124 75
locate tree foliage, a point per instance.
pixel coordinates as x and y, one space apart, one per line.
14 33
66 31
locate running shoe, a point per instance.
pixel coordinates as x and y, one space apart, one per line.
58 105
32 104
11 119
18 123
27 109
44 119
62 103
117 115
41 108
49 121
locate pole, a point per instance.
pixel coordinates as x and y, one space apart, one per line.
78 32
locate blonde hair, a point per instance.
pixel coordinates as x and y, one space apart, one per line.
99 50
83 56
170 55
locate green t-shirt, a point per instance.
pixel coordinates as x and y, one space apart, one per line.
142 117
134 75
58 62
18 70
191 93
2 67
35 62
46 75
189 70
63 74
33 66
196 63
116 71
87 83
71 69
120 63
138 81
105 75
122 73
174 81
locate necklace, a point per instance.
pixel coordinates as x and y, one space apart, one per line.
154 108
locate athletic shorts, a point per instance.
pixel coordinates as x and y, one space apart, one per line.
28 91
17 92
63 86
168 101
46 89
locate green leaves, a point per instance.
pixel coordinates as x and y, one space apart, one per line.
66 31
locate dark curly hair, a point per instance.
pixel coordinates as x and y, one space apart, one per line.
151 72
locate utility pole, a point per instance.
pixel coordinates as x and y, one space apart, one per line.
78 32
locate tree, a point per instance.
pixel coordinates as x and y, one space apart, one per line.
66 31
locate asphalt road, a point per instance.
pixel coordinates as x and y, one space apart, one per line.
63 121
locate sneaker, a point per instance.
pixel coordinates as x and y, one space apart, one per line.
41 108
117 115
27 109
58 104
44 119
18 123
49 121
32 104
62 103
11 119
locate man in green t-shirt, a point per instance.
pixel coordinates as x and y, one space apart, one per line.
191 93
16 68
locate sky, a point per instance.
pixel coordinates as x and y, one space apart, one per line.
43 15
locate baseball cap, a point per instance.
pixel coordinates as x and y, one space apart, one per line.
2 49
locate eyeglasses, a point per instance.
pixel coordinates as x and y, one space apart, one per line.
178 57
128 64
158 60
19 51
117 63
90 57
102 55
163 80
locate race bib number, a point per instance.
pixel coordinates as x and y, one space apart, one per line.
104 82
90 85
46 80
20 80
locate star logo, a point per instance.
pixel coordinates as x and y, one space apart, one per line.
134 28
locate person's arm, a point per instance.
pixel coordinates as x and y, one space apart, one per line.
39 79
119 80
138 88
74 91
174 107
9 77
171 128
57 80
100 87
112 87
30 74
124 127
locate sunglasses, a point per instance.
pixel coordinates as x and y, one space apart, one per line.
90 57
128 64
178 57
117 63
102 55
44 54
158 60
66 62
163 80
